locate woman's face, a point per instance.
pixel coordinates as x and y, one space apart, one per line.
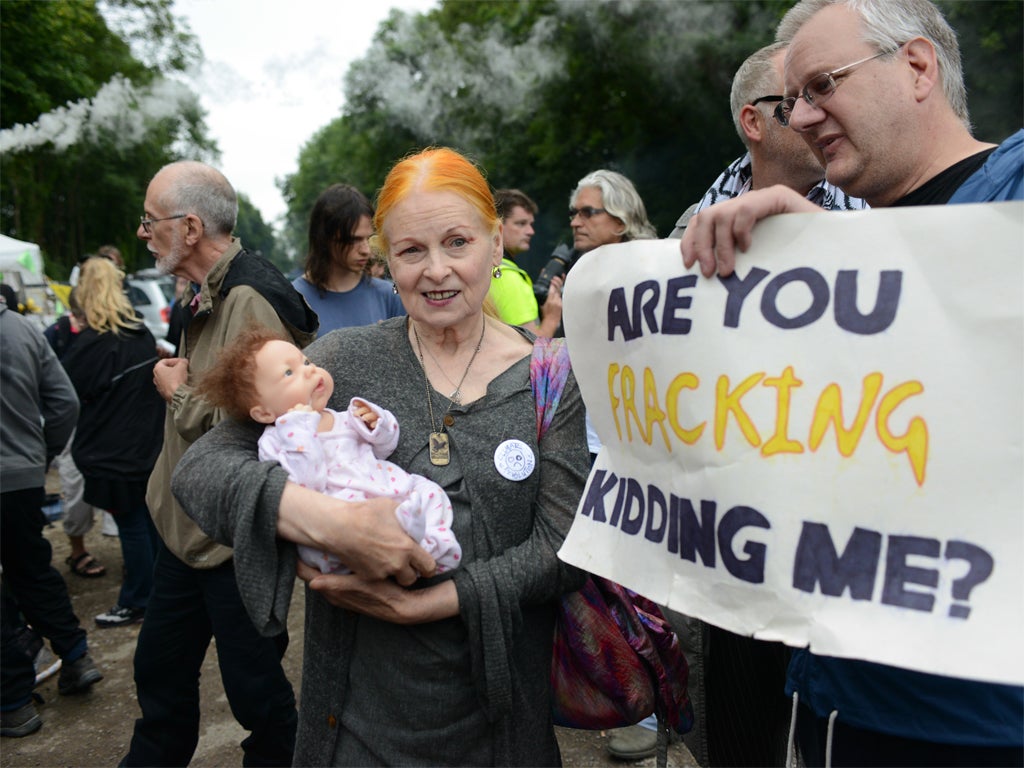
441 252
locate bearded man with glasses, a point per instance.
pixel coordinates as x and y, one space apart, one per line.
190 212
876 86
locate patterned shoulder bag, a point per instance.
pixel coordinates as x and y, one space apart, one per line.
616 658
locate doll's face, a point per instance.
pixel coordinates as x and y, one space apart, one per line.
285 378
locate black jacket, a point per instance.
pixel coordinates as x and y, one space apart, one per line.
120 426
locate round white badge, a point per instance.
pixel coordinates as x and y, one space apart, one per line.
514 460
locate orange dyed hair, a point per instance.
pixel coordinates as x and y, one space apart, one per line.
231 382
436 169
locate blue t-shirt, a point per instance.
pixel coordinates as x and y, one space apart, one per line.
371 301
903 702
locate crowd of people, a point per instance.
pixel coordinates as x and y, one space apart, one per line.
351 427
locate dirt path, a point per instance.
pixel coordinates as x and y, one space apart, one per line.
94 730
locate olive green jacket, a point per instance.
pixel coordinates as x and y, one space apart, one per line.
222 314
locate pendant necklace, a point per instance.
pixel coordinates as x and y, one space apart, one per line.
440 453
456 395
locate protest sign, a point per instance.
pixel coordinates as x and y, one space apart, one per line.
824 448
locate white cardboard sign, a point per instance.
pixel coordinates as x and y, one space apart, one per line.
824 449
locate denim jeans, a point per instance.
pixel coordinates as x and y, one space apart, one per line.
139 541
36 589
186 608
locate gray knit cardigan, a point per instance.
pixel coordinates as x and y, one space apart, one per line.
469 690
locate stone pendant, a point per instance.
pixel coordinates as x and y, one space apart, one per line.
439 453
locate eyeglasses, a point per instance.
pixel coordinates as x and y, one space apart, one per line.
819 89
759 99
587 212
147 224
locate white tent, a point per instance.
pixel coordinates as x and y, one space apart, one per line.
23 259
21 267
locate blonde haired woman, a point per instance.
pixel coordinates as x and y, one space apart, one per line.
120 425
401 669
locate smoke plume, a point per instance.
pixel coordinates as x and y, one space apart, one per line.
120 112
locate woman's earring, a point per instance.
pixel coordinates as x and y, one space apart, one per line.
496 272
394 286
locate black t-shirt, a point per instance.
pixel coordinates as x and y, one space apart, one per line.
939 189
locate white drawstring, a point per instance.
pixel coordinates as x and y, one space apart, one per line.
790 742
828 738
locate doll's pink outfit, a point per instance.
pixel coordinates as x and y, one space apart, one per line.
348 462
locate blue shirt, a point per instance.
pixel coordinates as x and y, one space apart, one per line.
371 301
902 702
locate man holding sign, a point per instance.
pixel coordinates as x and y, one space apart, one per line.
877 87
741 715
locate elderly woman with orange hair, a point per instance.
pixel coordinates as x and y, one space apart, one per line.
403 666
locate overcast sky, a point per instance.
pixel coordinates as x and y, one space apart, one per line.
273 77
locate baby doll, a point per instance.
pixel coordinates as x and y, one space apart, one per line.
263 377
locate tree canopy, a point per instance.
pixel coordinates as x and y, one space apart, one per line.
540 92
256 235
88 122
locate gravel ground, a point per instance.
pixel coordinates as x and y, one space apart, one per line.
95 729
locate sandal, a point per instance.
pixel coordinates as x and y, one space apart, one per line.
86 566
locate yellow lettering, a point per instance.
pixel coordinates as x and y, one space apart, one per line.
613 401
629 403
828 414
915 440
780 441
652 410
829 410
727 402
681 382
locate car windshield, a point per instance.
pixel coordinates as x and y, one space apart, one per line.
167 288
137 296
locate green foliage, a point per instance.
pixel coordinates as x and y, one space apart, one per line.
541 92
76 188
257 236
354 149
151 28
991 35
56 52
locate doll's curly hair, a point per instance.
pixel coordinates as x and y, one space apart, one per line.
230 383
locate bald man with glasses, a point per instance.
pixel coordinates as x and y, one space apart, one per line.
876 87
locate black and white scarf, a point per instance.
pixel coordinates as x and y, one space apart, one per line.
735 180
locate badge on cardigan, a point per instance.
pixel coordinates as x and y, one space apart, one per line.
514 460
